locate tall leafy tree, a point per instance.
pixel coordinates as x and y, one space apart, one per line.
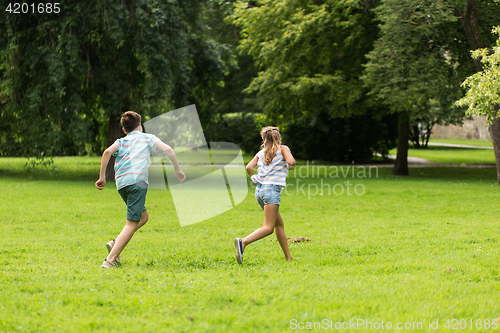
309 52
483 92
94 60
409 66
225 96
419 59
310 55
479 38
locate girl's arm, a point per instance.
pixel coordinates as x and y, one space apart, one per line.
287 154
251 166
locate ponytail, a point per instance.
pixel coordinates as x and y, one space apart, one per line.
271 141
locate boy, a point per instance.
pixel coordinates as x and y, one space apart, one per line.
131 174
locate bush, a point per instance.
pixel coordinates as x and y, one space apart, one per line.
312 137
240 128
341 139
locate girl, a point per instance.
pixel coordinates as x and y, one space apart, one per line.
273 162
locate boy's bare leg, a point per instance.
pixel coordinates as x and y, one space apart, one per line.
280 234
126 235
144 219
270 215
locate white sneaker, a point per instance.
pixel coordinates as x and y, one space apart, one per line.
110 246
238 244
107 264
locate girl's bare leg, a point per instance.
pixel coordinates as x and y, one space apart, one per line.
270 215
126 235
280 234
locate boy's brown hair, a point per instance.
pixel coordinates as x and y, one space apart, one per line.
130 120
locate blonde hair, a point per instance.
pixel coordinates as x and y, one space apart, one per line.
271 141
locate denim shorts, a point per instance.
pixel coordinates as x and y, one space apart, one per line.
268 194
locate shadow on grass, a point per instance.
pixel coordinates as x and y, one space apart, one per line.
448 173
416 173
440 148
64 168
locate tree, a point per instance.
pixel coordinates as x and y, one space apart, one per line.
476 37
441 111
96 59
410 65
310 55
224 97
483 92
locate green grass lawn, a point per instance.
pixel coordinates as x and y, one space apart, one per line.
463 142
409 249
451 155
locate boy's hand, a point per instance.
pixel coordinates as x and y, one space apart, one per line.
180 175
100 184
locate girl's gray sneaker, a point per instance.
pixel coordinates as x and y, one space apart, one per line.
239 250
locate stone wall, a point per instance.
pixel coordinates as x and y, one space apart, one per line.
471 129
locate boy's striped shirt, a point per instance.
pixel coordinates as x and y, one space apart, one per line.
132 158
274 173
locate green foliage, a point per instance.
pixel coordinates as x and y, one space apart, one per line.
482 97
226 95
341 139
47 163
310 55
488 13
240 128
95 60
413 67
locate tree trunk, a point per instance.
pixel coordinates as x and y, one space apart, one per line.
401 165
114 131
494 130
471 27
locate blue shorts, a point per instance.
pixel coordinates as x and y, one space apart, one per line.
268 194
135 197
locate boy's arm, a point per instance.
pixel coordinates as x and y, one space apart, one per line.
104 163
171 155
287 154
